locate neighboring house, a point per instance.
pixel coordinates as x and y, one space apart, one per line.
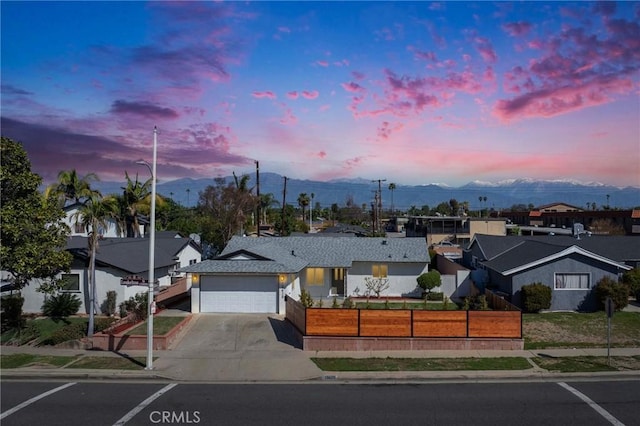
74 221
116 259
570 266
456 229
255 274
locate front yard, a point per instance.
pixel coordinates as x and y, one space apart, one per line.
580 330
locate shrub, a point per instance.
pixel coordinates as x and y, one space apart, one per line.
108 307
445 303
101 324
618 292
348 303
435 296
320 303
475 303
376 286
632 279
138 305
429 280
335 303
306 299
12 312
61 305
536 297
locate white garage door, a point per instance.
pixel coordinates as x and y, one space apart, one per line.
238 294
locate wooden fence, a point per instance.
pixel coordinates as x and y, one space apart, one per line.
337 322
498 303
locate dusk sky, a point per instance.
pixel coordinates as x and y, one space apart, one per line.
415 93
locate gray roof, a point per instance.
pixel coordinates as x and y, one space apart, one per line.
508 253
131 254
292 254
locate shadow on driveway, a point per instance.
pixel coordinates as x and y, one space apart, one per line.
285 332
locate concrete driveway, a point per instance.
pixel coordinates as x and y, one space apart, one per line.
237 347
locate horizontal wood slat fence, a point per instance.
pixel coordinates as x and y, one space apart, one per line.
403 322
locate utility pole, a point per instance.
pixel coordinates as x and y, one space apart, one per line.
258 194
284 204
379 204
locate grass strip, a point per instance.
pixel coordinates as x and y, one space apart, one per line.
421 364
26 360
587 364
109 363
161 326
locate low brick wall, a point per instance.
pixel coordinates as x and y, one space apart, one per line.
123 342
323 343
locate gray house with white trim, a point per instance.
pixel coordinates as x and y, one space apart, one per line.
255 274
571 267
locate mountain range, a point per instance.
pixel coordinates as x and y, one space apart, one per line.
500 195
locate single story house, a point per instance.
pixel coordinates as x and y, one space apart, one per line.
571 266
117 259
255 274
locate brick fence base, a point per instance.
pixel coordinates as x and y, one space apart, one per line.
323 343
122 341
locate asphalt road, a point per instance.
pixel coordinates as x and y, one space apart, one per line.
596 402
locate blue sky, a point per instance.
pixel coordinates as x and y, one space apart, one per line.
414 92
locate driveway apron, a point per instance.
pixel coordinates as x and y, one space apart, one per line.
237 347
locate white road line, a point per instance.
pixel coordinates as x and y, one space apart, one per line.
144 404
34 399
604 413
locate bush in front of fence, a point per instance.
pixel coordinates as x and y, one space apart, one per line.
536 297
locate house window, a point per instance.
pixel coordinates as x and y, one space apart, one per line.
78 228
572 281
315 276
193 261
379 271
338 274
70 283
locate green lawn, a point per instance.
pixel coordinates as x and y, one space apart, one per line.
109 363
421 364
579 330
581 364
161 326
38 330
22 360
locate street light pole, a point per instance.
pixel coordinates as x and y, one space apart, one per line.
152 246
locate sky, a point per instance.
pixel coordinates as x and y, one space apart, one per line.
411 92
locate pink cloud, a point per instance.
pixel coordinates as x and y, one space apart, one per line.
560 100
322 63
288 118
321 154
144 109
286 30
261 95
358 75
353 87
516 29
292 95
313 94
485 48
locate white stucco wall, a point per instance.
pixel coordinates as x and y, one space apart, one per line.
402 278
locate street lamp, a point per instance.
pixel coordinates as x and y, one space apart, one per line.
152 244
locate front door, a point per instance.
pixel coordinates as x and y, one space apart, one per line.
337 281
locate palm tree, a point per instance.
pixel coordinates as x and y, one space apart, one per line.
303 202
94 216
266 202
392 187
137 197
71 187
188 191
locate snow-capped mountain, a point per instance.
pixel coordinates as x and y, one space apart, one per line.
499 195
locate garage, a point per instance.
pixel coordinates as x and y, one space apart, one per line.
241 294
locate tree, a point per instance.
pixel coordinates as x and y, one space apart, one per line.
222 209
429 280
71 187
392 187
267 201
455 206
94 215
32 236
303 202
376 285
137 197
632 279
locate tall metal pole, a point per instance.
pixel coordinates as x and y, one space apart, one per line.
152 246
284 206
258 194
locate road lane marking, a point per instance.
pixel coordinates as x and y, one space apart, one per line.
34 399
604 413
131 414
